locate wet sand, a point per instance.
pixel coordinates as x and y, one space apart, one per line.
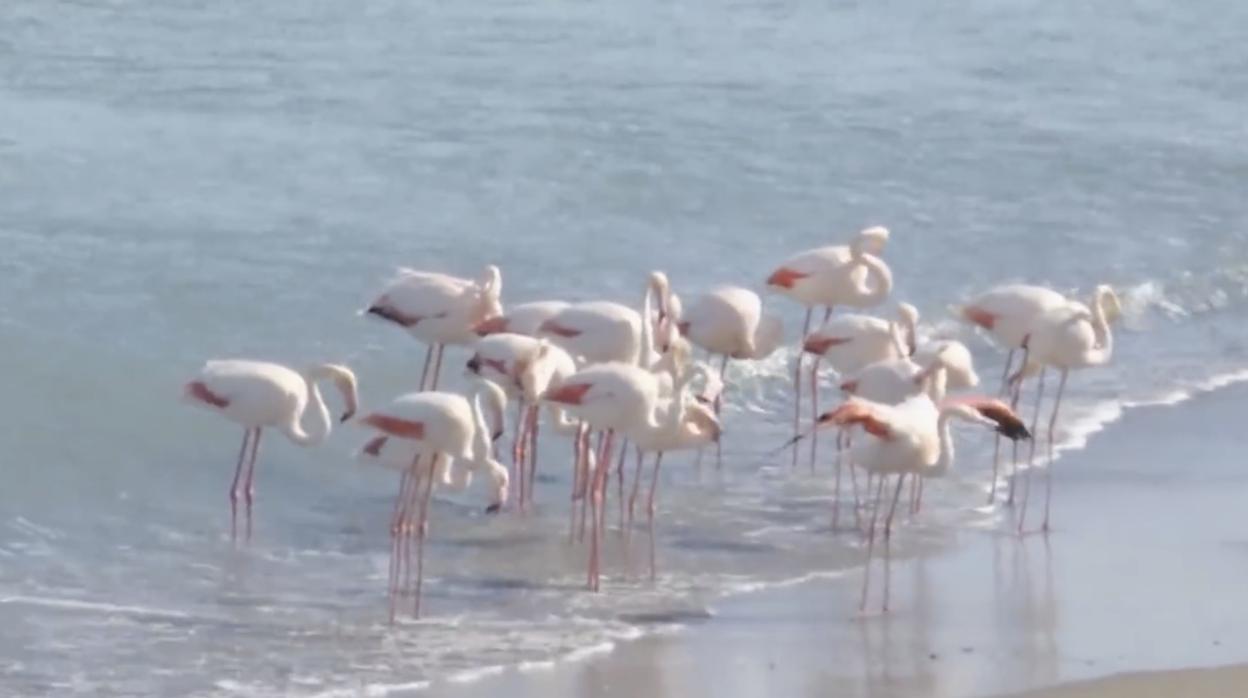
1144 572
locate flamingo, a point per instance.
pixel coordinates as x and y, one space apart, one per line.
851 342
524 367
935 368
259 394
1065 338
1006 314
831 276
439 425
615 397
912 438
697 427
439 309
729 321
522 318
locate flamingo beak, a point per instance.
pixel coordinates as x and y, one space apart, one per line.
346 416
821 345
569 394
474 364
494 508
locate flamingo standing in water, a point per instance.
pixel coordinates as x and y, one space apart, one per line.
911 439
1065 338
522 318
439 309
439 425
729 321
524 367
615 397
258 394
698 427
851 342
851 275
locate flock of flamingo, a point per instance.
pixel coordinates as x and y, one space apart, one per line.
609 375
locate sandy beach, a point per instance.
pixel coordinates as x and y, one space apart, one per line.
1143 573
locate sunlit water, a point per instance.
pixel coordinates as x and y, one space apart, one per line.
184 180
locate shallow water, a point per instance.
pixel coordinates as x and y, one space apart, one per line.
197 180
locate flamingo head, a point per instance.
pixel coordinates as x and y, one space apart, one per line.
871 240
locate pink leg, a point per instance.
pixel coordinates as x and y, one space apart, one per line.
517 455
587 487
578 465
888 535
836 487
619 480
654 487
238 477
420 474
601 475
1031 454
397 537
424 372
996 448
814 410
853 481
875 515
632 497
1048 468
422 530
249 489
1018 394
437 368
797 384
719 408
534 420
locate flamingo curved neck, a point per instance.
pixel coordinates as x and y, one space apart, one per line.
874 293
1104 348
321 424
943 463
482 458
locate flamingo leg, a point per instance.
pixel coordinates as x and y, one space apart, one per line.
437 368
396 533
424 372
1017 381
405 528
875 515
238 476
797 384
996 447
534 420
654 487
632 497
1048 467
603 472
836 487
719 407
1031 453
422 530
517 454
619 479
814 410
578 465
249 489
888 535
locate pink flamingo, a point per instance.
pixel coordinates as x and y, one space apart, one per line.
524 367
439 425
258 394
615 397
832 276
1065 338
850 342
439 309
729 321
911 439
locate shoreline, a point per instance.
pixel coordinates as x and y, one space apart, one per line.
996 615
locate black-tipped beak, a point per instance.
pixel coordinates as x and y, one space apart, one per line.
496 435
474 364
346 416
1014 432
494 508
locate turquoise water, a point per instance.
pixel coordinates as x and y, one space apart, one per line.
193 180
